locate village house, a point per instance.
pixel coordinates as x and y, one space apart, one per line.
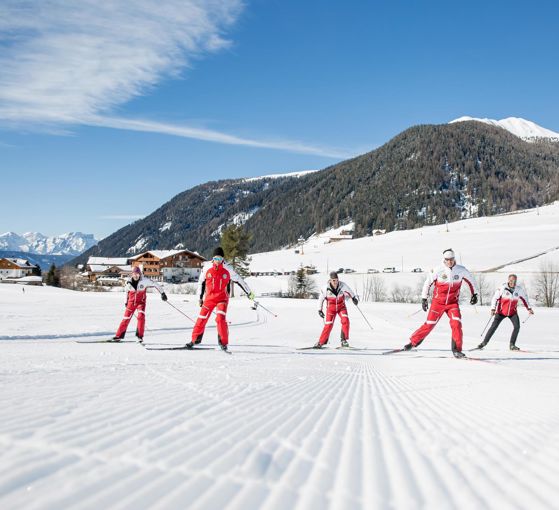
169 265
15 268
107 270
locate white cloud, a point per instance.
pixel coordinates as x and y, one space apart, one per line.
66 63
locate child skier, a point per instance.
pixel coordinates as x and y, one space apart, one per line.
335 293
136 295
214 288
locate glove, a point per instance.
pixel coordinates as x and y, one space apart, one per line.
473 301
164 296
492 311
251 296
200 302
355 300
321 313
530 311
424 304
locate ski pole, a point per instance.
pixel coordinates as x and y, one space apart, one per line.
529 315
368 323
180 311
415 313
490 318
257 303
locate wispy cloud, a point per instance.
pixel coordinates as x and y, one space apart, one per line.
74 63
122 217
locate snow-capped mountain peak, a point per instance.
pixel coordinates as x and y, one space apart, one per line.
525 129
71 243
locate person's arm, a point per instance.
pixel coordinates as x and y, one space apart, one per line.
150 283
495 300
346 289
523 296
470 280
429 280
201 284
238 279
321 299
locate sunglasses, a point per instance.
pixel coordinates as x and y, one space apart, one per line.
218 259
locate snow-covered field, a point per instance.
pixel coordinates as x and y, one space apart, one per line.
104 426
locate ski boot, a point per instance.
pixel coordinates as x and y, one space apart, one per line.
317 345
455 352
514 347
481 346
117 338
222 346
408 347
344 343
140 338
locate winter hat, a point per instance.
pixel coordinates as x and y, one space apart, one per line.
136 269
449 254
333 275
218 252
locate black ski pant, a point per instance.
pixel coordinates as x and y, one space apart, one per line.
495 324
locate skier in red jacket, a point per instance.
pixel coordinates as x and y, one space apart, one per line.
446 280
136 295
214 289
335 293
504 304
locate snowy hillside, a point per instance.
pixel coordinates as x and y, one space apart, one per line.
482 244
72 243
269 427
525 129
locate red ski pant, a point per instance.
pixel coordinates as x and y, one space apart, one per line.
220 319
329 324
436 311
140 310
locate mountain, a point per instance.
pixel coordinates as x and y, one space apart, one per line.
72 243
43 261
426 175
525 129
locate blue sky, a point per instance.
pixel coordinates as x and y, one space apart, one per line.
108 112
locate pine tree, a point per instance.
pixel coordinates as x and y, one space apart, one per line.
53 277
301 285
235 243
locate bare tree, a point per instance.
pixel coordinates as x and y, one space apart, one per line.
547 284
402 294
484 288
373 289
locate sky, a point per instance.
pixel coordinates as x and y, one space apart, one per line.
109 109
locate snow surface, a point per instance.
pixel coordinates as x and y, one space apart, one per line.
119 427
481 244
300 173
525 129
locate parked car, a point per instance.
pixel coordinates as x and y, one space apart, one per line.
417 270
389 270
372 271
349 270
341 270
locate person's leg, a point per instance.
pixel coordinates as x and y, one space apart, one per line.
433 317
328 325
141 317
221 321
344 319
203 317
455 319
121 331
494 325
516 328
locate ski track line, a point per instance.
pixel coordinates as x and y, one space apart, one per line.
332 432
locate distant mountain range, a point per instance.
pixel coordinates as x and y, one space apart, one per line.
72 243
423 176
525 129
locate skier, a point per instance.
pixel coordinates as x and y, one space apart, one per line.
447 280
136 291
335 293
504 304
213 290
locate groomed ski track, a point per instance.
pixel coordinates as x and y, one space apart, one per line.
92 426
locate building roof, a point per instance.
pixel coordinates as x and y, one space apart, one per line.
163 254
21 263
107 261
